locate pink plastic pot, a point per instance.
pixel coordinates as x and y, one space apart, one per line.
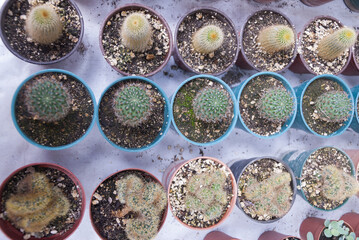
313 3
273 235
217 235
352 219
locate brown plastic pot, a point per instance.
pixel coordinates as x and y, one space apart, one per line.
354 155
16 234
273 235
217 235
136 6
353 66
314 3
352 219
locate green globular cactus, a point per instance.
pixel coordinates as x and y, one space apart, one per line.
136 32
132 104
47 99
208 39
336 43
43 24
212 104
333 106
276 105
276 38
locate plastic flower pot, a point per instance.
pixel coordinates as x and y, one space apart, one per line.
353 66
232 97
217 235
314 3
13 233
5 37
355 122
182 167
102 194
286 125
354 156
301 123
273 235
352 219
82 126
106 122
150 54
222 17
352 5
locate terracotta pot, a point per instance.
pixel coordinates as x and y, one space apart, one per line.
217 235
352 219
352 5
273 235
354 155
313 3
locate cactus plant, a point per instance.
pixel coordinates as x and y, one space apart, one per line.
276 38
335 229
333 106
208 39
47 99
334 44
276 105
43 24
136 32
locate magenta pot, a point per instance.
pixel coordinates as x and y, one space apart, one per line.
217 235
273 235
314 3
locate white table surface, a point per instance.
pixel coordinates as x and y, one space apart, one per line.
93 159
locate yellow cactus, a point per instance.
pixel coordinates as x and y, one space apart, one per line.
208 39
276 38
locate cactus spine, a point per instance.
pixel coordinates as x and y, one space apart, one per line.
208 39
276 38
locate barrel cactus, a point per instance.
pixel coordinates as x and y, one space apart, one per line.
208 39
333 106
276 38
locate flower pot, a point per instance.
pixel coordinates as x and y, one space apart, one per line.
130 131
273 235
353 5
126 61
192 117
352 219
125 198
214 61
353 66
308 118
355 122
249 94
76 195
217 235
314 3
28 51
354 156
210 193
69 125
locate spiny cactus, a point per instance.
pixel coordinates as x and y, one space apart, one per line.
276 105
43 24
333 106
208 39
144 227
132 104
47 99
136 32
276 38
337 185
334 44
212 104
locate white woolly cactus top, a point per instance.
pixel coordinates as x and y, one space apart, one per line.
208 39
276 38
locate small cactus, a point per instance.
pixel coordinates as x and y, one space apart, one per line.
43 24
276 105
276 38
212 104
144 227
333 106
47 99
136 32
208 39
334 44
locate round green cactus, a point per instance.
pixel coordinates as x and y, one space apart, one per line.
333 106
276 38
208 39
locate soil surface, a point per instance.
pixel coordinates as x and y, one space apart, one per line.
356 51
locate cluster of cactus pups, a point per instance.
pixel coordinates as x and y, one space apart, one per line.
208 39
335 229
276 38
36 203
146 200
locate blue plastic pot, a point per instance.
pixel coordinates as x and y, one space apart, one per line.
167 116
300 122
355 122
32 141
235 110
238 91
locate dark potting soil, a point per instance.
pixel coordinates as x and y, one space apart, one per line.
59 179
248 103
185 119
311 36
105 203
311 183
214 62
14 31
313 91
66 130
132 137
255 53
124 59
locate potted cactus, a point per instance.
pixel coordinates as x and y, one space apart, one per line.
354 156
130 204
41 33
133 113
136 40
353 66
53 109
273 235
41 201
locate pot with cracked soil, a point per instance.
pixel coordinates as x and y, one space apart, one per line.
352 218
314 3
353 66
41 32
217 235
273 235
130 204
136 40
352 5
205 42
268 42
41 201
53 109
133 114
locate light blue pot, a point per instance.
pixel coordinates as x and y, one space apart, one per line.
235 110
32 141
167 116
355 122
